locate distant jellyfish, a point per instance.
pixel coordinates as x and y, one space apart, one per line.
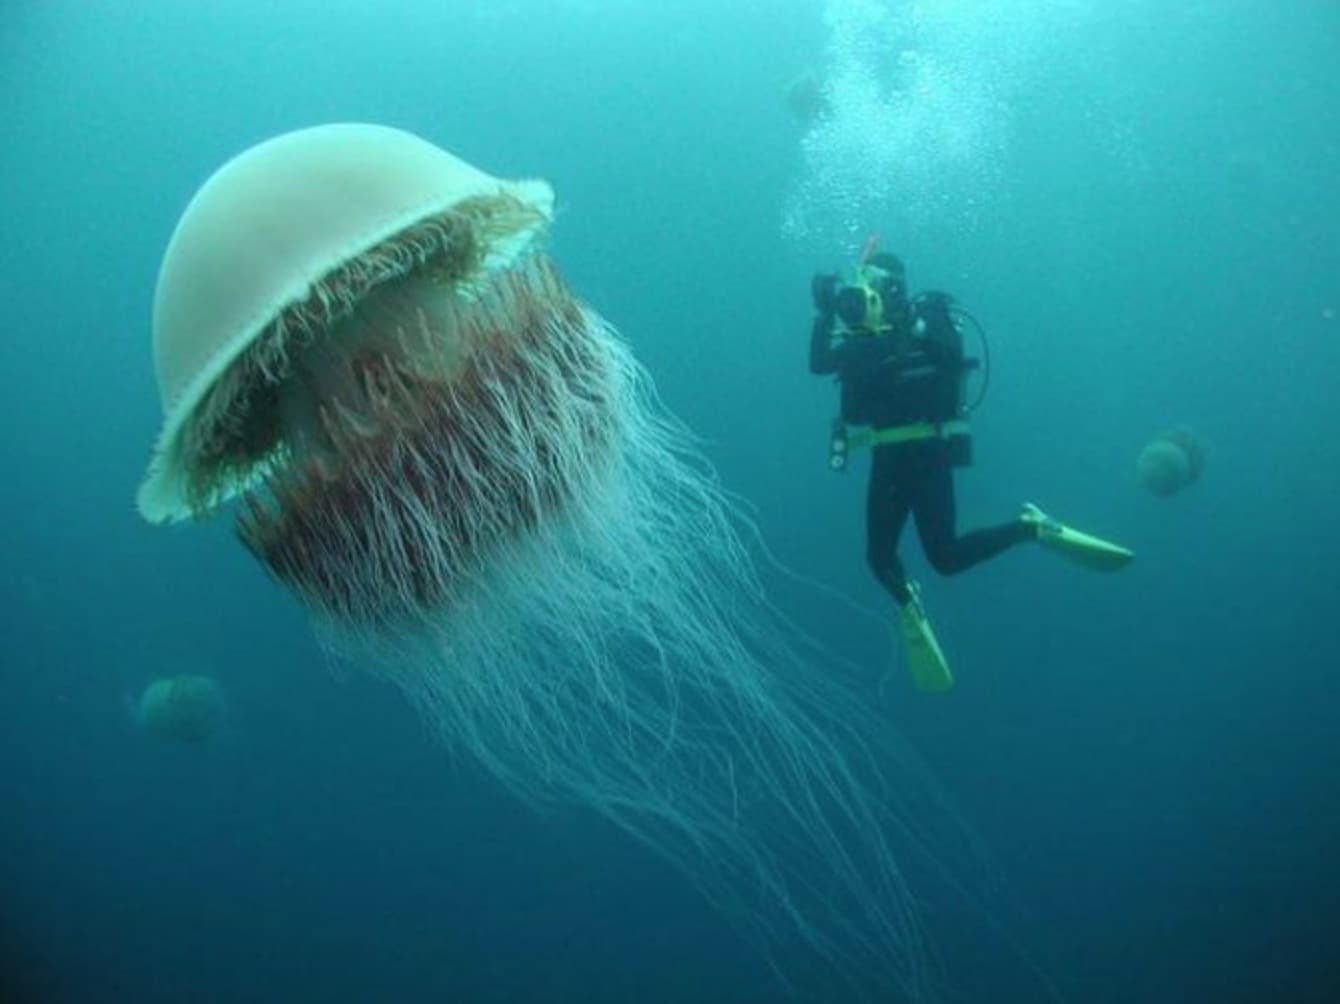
461 472
1170 462
808 100
184 709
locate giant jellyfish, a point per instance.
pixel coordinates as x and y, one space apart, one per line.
464 477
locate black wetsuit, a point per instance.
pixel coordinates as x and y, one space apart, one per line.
895 379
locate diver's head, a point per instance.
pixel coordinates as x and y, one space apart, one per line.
885 267
874 299
885 273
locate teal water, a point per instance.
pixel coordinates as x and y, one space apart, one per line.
1141 205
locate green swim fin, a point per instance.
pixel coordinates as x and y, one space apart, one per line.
925 659
1081 548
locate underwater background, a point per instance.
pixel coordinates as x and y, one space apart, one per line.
1140 202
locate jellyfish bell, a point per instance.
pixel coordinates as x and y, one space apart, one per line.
1162 468
284 241
1192 447
808 100
465 478
183 709
1170 462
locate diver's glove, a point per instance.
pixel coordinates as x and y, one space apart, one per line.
824 290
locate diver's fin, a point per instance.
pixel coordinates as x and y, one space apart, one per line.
925 659
1081 548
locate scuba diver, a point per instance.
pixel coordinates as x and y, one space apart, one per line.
903 373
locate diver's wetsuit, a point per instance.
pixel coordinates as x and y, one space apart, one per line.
896 379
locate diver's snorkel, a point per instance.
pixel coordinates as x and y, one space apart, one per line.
870 246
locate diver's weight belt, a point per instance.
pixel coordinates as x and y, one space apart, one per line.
910 433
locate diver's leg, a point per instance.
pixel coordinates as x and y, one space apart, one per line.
936 512
925 658
886 509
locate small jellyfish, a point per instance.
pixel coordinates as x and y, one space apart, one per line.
1170 461
808 100
182 709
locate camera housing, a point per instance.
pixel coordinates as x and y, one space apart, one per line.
855 305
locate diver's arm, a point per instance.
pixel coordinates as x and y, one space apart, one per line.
824 355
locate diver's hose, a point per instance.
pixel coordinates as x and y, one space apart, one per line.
957 312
